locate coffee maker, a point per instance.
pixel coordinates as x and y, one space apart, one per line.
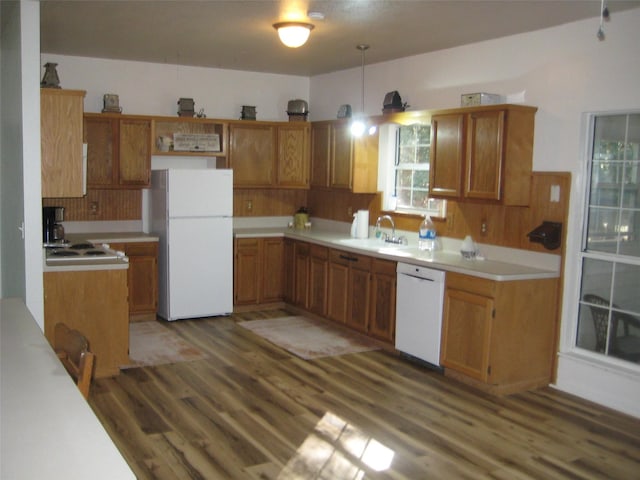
52 229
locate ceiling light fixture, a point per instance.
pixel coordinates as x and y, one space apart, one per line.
293 34
359 124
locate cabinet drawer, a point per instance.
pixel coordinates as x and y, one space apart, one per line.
384 267
321 253
467 283
141 249
247 242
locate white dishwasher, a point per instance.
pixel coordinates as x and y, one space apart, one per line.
419 300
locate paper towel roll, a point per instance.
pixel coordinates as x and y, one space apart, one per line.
362 230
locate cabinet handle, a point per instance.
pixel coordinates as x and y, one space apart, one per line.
348 259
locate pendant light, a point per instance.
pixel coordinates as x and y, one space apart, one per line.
359 124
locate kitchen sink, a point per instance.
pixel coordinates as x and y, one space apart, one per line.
371 244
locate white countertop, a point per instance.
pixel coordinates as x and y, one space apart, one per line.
48 429
450 261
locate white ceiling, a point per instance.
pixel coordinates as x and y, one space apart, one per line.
238 34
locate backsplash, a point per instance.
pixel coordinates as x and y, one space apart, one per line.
100 205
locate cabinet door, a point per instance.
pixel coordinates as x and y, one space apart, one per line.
272 270
61 142
466 333
100 134
318 275
293 155
382 319
320 154
142 276
484 155
447 147
134 153
289 274
95 303
359 300
337 298
252 154
246 274
301 279
341 156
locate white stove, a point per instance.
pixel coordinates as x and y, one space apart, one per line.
83 252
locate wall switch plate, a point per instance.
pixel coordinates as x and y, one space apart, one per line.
554 195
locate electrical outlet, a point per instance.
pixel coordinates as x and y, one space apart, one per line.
249 205
483 227
554 193
93 208
349 211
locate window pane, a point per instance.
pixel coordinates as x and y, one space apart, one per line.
420 199
596 277
602 230
626 289
423 154
421 180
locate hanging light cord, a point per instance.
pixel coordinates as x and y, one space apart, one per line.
363 48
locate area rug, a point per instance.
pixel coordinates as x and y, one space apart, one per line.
308 338
151 343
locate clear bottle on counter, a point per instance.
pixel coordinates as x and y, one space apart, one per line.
427 235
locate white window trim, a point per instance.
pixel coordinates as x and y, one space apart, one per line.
386 174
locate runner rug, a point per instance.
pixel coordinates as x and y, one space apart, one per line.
308 338
151 343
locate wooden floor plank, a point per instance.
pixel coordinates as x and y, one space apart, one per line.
252 410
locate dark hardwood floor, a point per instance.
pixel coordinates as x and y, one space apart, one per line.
254 411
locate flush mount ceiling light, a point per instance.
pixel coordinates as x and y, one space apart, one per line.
293 34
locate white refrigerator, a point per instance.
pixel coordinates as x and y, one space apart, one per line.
192 214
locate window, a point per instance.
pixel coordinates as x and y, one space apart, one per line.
405 154
609 310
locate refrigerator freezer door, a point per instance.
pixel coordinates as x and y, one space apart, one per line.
200 193
200 268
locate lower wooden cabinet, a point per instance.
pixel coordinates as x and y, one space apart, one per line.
318 277
95 303
382 313
499 335
349 289
142 276
258 274
301 274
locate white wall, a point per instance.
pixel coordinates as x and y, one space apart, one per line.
565 72
154 89
22 259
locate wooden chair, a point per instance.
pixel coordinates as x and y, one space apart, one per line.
72 349
622 344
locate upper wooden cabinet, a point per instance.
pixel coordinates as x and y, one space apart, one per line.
482 154
269 154
118 151
338 160
252 154
293 155
61 142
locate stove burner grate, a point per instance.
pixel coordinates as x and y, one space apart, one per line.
81 246
64 253
94 253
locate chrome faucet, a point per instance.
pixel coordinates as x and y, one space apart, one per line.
385 237
393 226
